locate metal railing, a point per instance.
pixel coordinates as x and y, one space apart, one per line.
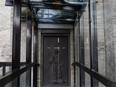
104 80
10 76
5 65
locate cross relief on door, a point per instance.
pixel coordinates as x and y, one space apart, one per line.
57 47
55 64
55 61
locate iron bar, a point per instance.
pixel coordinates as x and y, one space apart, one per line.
35 56
74 56
28 47
4 70
94 42
93 47
81 49
10 63
16 39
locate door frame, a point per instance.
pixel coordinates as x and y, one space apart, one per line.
56 33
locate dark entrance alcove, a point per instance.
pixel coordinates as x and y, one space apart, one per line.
55 61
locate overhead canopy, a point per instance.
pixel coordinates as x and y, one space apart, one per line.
58 4
54 11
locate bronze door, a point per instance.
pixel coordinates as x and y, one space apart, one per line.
55 61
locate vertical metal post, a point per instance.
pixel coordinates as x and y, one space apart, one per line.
74 57
35 56
94 43
28 47
81 55
93 48
4 70
16 39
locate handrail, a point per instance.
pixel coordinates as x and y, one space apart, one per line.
107 82
12 75
10 63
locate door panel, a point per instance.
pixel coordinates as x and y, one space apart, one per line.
55 61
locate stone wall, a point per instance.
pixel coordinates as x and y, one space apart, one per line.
109 41
5 32
114 31
6 22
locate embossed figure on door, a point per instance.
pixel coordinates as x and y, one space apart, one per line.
55 61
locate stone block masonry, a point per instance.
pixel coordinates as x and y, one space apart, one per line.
5 32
